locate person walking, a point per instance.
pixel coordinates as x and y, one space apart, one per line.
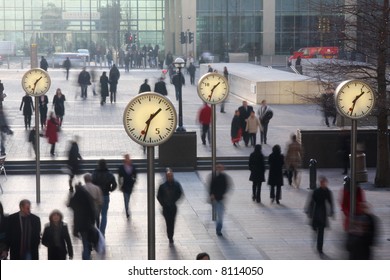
67 64
245 111
96 194
160 87
226 75
28 107
204 118
59 105
84 81
43 63
127 176
105 180
2 94
252 127
103 87
235 129
24 233
168 194
178 81
257 171
113 78
74 158
265 114
43 102
293 161
4 130
52 132
56 237
329 106
275 174
191 70
3 233
319 207
220 184
33 140
145 87
83 218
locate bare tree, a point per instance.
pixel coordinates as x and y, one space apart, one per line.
364 41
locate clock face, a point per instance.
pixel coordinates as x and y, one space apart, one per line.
213 88
36 82
354 99
150 119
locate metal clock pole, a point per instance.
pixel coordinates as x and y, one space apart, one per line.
352 187
151 206
37 152
213 151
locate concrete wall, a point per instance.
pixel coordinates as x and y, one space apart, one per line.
255 83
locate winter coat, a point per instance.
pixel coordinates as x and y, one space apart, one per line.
57 251
275 174
256 166
52 131
103 85
28 107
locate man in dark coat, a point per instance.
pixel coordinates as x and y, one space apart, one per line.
113 78
105 180
265 115
329 106
43 64
219 186
191 70
257 169
144 87
84 81
320 206
168 194
2 94
245 111
103 87
275 174
67 64
43 101
178 81
74 158
160 87
24 233
127 176
28 108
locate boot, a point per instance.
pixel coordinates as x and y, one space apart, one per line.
70 185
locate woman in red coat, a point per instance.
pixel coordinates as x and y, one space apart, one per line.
52 132
345 200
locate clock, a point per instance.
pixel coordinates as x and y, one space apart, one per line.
36 82
213 88
354 99
150 119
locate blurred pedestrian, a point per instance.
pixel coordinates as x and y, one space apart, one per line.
226 75
67 64
220 184
59 105
28 107
4 130
235 129
43 63
345 200
24 233
2 94
160 87
245 111
56 237
105 180
96 194
168 194
83 218
362 233
84 81
43 102
257 171
319 207
33 140
178 81
127 176
145 87
329 106
203 256
52 132
113 78
293 161
265 114
252 127
103 87
275 174
191 70
3 233
74 159
204 118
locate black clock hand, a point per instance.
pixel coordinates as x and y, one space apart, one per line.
35 84
354 101
212 90
145 131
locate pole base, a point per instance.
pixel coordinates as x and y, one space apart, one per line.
180 129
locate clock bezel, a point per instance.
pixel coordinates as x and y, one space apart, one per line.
127 122
42 72
202 94
340 90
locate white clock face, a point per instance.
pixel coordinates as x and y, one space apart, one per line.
354 99
36 82
213 88
150 119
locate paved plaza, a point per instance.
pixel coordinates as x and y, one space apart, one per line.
251 231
